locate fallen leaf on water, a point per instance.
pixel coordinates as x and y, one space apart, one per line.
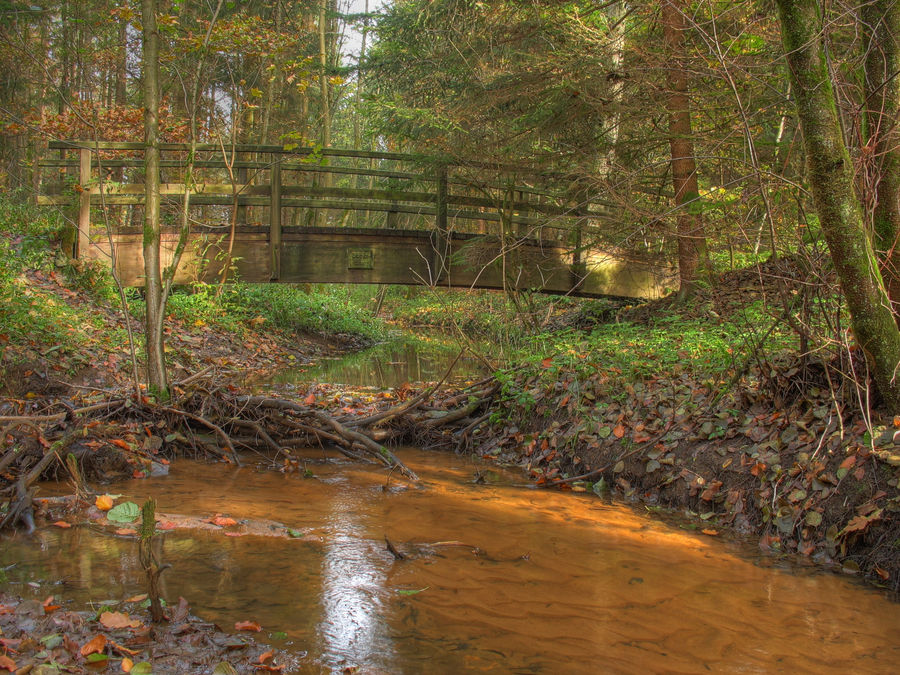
137 598
222 521
247 625
413 591
104 502
63 524
166 525
114 620
235 534
98 644
265 656
711 533
125 531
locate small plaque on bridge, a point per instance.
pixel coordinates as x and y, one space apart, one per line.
360 259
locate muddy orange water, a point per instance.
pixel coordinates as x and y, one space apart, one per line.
561 583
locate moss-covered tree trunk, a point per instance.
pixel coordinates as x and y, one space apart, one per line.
881 23
690 231
156 361
831 181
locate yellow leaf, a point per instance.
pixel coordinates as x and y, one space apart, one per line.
104 502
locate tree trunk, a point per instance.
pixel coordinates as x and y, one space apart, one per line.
156 361
691 237
881 20
831 181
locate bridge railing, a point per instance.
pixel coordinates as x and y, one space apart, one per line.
282 186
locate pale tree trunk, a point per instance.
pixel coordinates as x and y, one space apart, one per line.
323 79
156 360
689 227
881 22
831 181
325 178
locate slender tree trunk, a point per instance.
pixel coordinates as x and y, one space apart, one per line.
881 21
691 236
156 361
323 78
831 180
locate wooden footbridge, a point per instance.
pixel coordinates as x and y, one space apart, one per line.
301 215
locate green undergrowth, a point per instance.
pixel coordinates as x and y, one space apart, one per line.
670 345
291 309
35 317
507 322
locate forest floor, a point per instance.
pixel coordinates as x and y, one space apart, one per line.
774 449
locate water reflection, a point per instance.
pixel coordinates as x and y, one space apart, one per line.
386 365
560 583
352 627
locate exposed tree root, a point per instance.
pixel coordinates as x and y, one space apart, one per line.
125 435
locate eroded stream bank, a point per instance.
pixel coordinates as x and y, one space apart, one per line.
560 581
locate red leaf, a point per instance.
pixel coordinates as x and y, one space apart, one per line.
7 663
546 363
118 442
222 521
619 431
265 656
63 524
310 400
248 625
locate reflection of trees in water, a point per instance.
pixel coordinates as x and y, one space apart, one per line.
387 365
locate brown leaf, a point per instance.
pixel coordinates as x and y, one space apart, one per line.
248 625
113 620
95 646
265 656
127 665
619 431
7 663
223 521
124 650
63 524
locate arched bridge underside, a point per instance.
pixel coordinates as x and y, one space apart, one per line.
477 233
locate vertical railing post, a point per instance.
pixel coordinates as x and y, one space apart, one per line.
83 236
242 176
275 219
442 234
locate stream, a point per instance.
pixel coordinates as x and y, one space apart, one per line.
497 576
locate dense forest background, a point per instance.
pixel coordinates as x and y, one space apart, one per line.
679 117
